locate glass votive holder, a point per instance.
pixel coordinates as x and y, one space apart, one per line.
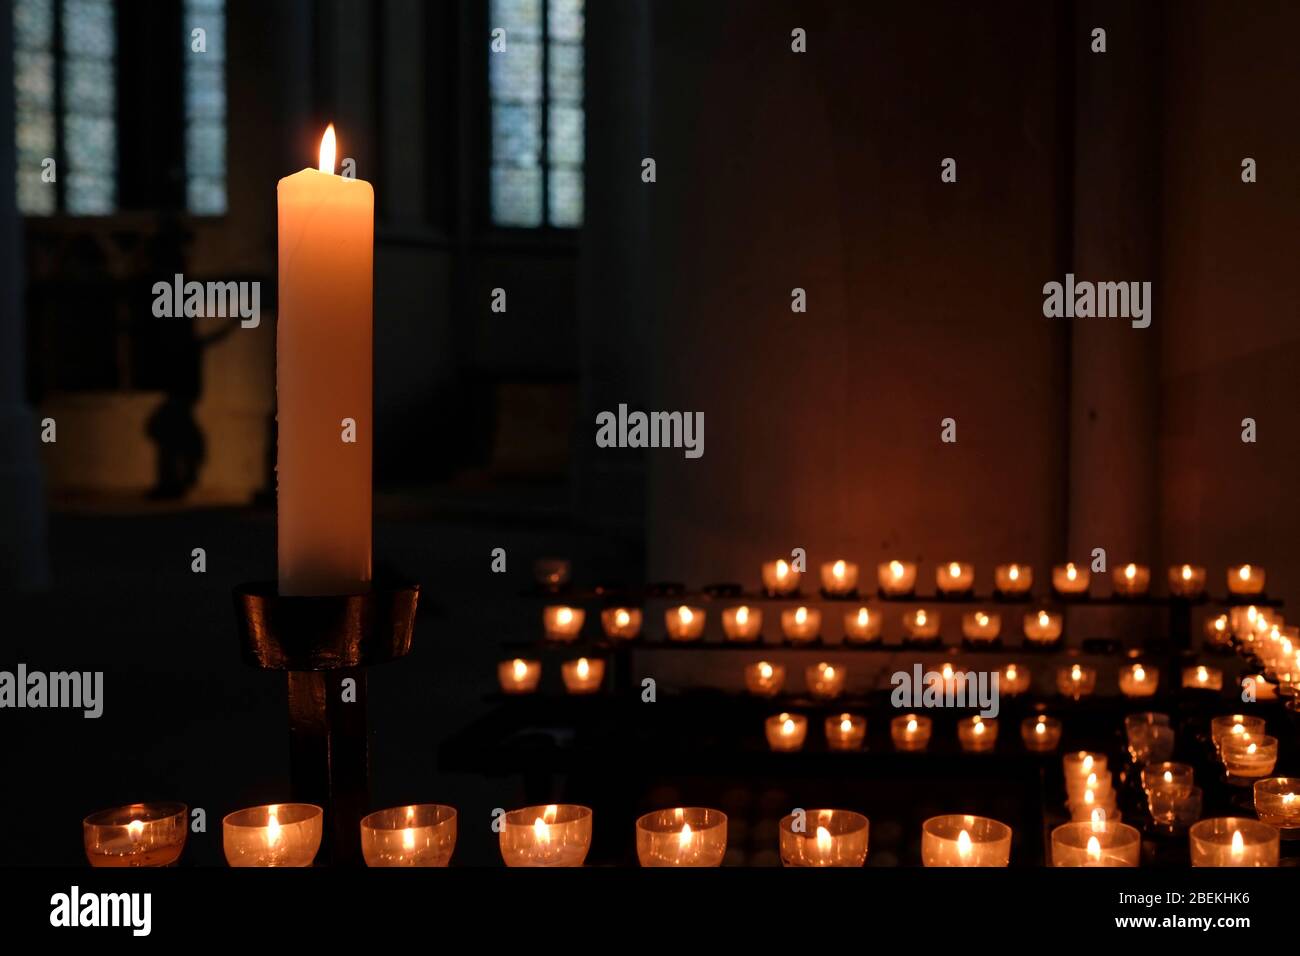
1105 843
684 623
1277 802
779 578
1217 631
1131 580
1242 620
1234 841
519 676
824 838
1138 680
583 676
839 578
764 679
896 578
1174 807
1234 725
554 835
422 834
845 731
1093 807
786 732
1070 579
1040 734
977 734
955 577
1079 763
1098 783
1245 580
963 840
1014 679
743 623
981 627
140 834
1013 580
1043 627
1248 760
552 574
1186 581
921 625
1179 776
1202 677
801 624
621 623
862 626
281 834
910 732
825 681
562 623
1153 743
682 836
1076 681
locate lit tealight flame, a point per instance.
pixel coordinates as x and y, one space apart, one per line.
1091 782
920 617
1251 750
1187 572
1011 672
1071 572
1288 799
837 569
787 727
911 726
828 672
327 149
742 615
521 669
622 618
135 829
1244 573
954 570
1043 619
1089 797
1094 849
963 845
801 615
1202 675
846 725
584 668
782 569
1238 845
981 619
1098 820
1014 572
685 614
1139 674
541 832
863 617
947 672
896 569
1221 622
1087 763
1040 727
1130 571
564 616
272 827
684 838
765 670
823 840
1076 673
408 839
1169 776
979 727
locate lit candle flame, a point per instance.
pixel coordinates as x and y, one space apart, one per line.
896 569
1076 673
521 669
1238 845
862 617
685 614
1202 675
584 668
963 845
801 615
1221 622
1131 571
1098 820
947 672
1011 672
272 828
765 670
1089 797
1169 776
823 840
828 672
1071 572
1244 572
979 726
408 839
1288 799
911 726
684 838
846 725
1087 763
1040 727
920 617
564 616
135 829
837 569
1094 849
1091 782
954 570
787 728
981 618
1014 573
622 618
1187 572
742 615
1043 619
782 569
327 149
1139 674
541 832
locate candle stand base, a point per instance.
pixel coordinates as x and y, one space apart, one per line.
325 644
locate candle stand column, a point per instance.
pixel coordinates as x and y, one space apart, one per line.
322 642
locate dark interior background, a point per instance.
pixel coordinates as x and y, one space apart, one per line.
774 171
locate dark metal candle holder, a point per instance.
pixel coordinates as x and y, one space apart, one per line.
321 641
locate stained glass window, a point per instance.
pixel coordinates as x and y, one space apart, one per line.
65 94
205 107
535 85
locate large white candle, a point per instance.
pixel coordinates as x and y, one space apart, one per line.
324 378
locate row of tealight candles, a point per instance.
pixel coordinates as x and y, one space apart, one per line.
897 578
788 732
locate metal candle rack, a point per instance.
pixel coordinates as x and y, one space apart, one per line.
320 642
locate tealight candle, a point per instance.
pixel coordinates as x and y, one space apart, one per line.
1186 581
554 835
1014 679
1076 681
1150 737
963 840
1080 763
977 734
417 835
1040 734
980 627
1245 579
1097 783
1234 841
562 623
824 838
839 578
1093 806
862 626
1131 580
1103 843
845 731
282 834
896 578
1217 633
141 834
1277 801
552 573
764 679
801 624
1202 677
684 623
519 676
955 577
1071 579
1138 680
621 623
1043 627
825 681
683 836
921 624
910 732
583 676
1233 725
786 732
1013 579
1249 759
742 623
779 578
1174 807
1178 776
